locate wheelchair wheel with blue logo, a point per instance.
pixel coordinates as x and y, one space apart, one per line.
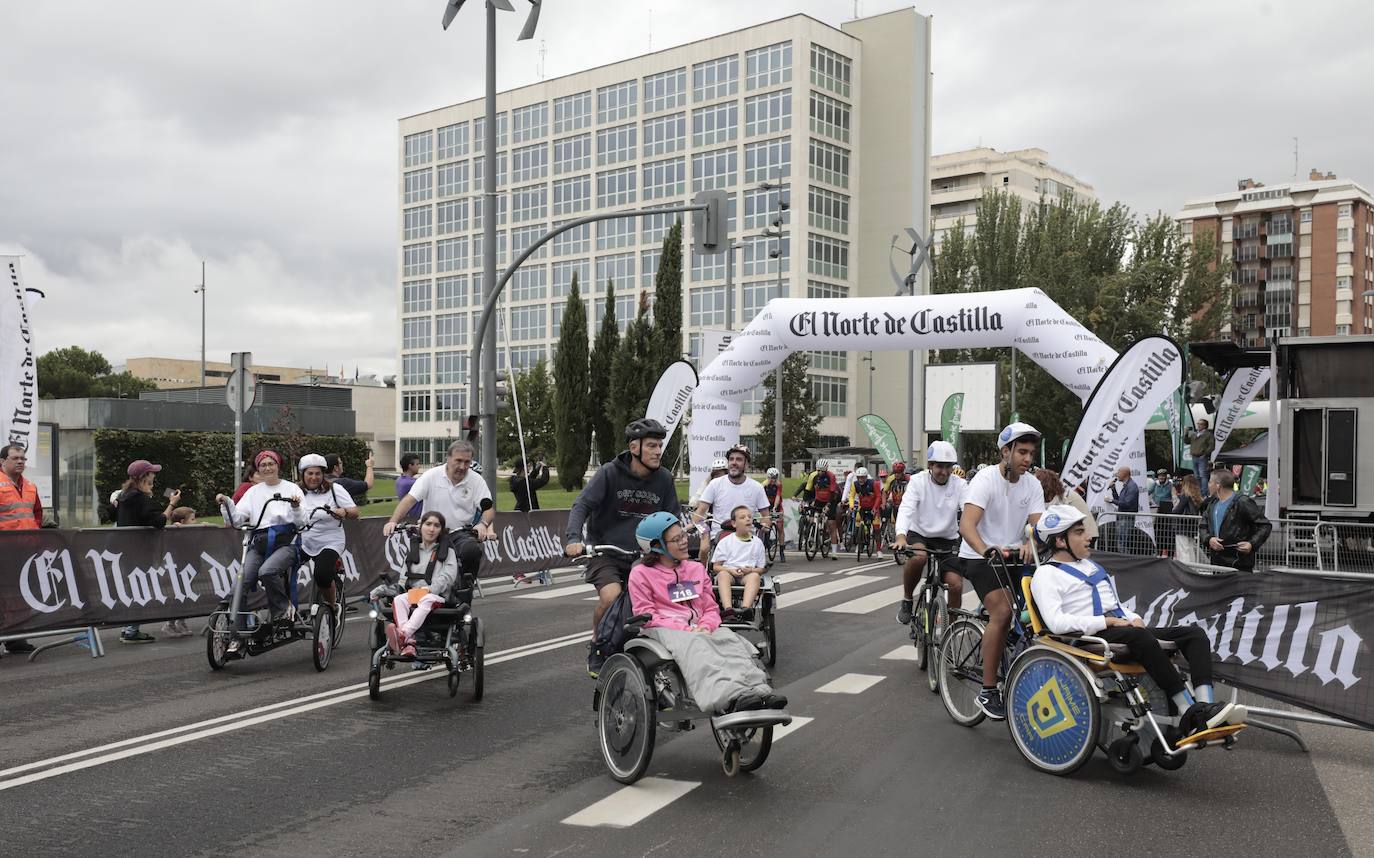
1052 710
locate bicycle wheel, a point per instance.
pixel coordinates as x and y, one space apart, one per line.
772 547
322 644
961 671
478 672
920 637
625 720
860 542
217 639
770 636
937 623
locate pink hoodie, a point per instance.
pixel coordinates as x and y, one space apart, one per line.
649 595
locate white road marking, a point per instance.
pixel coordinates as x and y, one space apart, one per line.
838 585
557 592
850 683
902 653
870 603
869 567
625 807
794 577
252 717
788 729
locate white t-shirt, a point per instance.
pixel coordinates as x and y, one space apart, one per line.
929 509
326 531
848 486
722 496
1006 508
459 503
1066 603
733 551
253 502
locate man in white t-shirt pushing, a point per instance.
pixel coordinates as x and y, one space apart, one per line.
458 492
998 505
732 489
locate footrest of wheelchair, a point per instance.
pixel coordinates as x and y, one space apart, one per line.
751 718
1212 735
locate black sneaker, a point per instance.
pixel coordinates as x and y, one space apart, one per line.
745 615
990 701
904 612
136 638
1206 716
775 701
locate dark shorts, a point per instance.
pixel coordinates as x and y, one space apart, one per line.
326 567
608 570
948 564
831 508
985 579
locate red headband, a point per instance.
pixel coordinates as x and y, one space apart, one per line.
276 457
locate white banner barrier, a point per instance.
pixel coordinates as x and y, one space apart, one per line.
18 368
1235 400
1025 319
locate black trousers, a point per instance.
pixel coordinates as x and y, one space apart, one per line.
1143 645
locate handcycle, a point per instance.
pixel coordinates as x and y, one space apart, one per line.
322 625
640 689
450 636
1069 695
929 610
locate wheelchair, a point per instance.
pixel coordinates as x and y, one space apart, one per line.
1068 695
640 689
262 634
451 637
761 629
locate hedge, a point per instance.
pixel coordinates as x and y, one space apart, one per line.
202 463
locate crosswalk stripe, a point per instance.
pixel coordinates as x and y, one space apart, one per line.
794 577
788 729
623 808
850 683
870 603
557 592
838 585
901 653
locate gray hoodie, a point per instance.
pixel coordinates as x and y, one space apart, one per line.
615 500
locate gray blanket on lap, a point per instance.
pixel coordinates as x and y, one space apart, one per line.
719 668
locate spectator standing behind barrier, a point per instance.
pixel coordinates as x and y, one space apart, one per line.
1055 494
334 468
1162 493
1233 528
250 478
526 487
20 507
410 469
137 508
1125 496
1201 444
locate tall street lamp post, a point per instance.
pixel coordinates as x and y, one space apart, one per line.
776 232
201 290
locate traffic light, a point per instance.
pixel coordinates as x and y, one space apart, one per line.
708 225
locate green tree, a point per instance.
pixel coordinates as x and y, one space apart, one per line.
633 374
571 411
667 330
604 352
74 372
535 398
801 416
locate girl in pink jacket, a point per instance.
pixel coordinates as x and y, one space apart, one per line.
719 666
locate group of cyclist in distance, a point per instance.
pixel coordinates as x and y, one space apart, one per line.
974 527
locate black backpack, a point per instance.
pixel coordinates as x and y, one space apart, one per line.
610 632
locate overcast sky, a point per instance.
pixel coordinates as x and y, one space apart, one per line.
140 137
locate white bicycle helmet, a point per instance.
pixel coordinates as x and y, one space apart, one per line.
942 452
860 473
772 473
1058 518
720 465
313 460
1017 430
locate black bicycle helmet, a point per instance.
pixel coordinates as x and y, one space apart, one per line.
645 427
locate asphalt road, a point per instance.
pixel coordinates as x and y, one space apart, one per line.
147 752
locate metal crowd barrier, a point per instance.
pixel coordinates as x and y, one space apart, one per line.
88 637
1297 545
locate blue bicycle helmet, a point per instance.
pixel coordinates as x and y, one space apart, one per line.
651 530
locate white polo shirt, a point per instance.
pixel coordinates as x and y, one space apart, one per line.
459 503
722 496
1006 507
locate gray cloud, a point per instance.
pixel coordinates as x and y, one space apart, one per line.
141 137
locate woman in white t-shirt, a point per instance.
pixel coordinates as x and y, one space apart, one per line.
739 557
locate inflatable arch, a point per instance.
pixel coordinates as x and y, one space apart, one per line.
1025 319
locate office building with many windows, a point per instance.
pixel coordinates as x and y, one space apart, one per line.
780 102
1301 254
958 181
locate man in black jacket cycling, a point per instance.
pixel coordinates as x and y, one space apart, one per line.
621 493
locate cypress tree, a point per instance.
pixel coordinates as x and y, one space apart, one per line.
667 333
571 396
633 374
604 351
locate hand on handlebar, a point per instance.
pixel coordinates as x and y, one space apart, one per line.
389 528
900 543
994 553
574 549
